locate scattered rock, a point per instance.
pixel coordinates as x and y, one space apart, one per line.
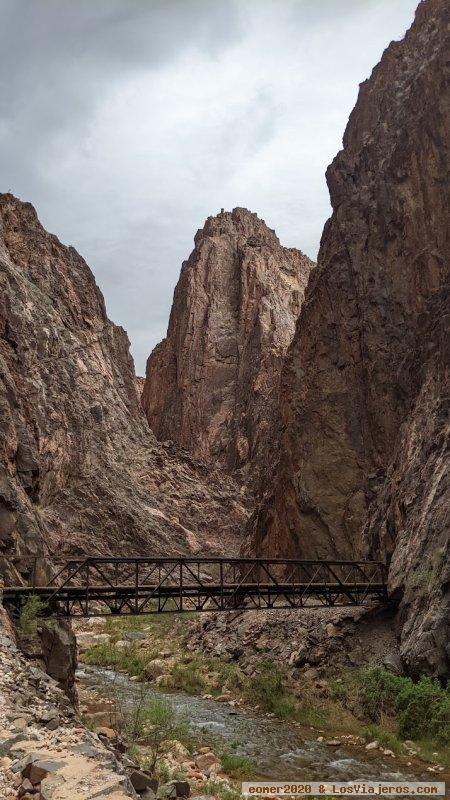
155 668
20 724
135 636
206 761
178 789
38 769
373 745
89 639
141 781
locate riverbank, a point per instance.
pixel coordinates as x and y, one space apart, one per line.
335 713
45 750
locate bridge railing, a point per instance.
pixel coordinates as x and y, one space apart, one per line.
90 585
35 571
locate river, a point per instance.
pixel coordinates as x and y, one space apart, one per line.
277 749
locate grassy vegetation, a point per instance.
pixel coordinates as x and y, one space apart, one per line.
369 702
388 740
221 790
268 690
133 657
237 766
195 674
186 677
129 659
152 624
396 709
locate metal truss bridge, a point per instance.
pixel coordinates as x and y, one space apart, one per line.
87 587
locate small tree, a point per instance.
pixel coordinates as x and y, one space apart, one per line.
146 720
160 726
29 614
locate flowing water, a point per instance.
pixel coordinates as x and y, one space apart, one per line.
277 749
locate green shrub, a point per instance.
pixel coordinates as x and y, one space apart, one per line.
422 709
186 678
314 717
88 722
163 772
29 614
379 689
237 766
267 689
142 719
221 790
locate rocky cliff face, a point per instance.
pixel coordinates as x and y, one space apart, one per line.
79 469
212 384
363 457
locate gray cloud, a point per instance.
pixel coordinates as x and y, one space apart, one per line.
127 122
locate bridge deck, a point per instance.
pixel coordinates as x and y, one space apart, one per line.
97 586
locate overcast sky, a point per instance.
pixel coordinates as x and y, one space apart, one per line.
127 122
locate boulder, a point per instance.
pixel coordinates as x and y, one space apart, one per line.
155 668
88 639
393 663
38 769
107 733
148 794
373 745
26 786
59 651
141 781
135 636
178 789
206 760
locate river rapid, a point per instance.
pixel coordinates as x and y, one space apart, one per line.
277 749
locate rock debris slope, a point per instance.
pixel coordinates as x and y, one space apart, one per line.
45 751
79 469
364 456
212 384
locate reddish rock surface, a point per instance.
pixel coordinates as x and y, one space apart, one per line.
80 471
364 464
212 384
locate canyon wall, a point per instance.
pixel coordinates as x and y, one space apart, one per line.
364 394
212 384
80 471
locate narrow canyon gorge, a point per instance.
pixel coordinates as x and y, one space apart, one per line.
293 410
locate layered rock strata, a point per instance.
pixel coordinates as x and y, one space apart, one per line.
212 384
364 455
